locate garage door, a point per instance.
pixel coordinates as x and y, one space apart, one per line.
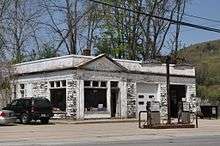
145 92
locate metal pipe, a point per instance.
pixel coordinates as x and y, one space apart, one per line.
168 89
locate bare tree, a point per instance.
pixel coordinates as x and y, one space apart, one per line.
179 16
21 20
66 28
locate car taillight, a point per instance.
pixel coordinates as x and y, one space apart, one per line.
2 114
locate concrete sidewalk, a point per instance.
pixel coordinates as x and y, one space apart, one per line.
92 121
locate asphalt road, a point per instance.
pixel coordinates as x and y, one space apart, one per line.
108 134
184 141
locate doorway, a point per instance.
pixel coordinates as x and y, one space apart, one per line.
114 99
58 99
177 92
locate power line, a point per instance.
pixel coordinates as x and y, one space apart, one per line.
203 18
195 16
162 18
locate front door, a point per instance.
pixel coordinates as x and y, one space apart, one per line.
114 99
177 92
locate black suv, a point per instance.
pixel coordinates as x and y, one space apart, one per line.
35 108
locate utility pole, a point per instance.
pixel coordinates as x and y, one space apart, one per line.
168 88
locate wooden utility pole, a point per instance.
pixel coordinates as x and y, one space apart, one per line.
168 88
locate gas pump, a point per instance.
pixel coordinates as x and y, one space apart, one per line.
185 112
153 112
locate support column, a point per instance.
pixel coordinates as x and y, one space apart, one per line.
80 102
123 98
108 96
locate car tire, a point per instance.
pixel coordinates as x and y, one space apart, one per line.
25 118
44 120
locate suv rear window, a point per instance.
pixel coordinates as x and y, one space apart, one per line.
42 102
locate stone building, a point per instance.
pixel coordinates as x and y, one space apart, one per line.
83 87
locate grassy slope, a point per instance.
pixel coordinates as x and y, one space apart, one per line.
206 57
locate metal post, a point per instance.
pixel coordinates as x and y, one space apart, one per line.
168 89
197 124
139 119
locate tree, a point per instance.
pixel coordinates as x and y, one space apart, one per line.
67 28
135 36
20 21
47 51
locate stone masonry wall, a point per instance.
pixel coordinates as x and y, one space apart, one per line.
131 100
71 99
191 96
40 89
163 101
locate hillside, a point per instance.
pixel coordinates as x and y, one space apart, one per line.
206 57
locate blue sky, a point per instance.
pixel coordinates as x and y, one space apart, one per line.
204 8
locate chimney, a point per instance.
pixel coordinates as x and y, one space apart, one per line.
87 52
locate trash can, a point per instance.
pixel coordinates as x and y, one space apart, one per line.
209 111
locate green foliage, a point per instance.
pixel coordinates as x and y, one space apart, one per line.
18 58
206 58
47 51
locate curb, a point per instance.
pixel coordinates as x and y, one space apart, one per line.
93 122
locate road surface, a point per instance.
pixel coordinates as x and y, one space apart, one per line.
108 134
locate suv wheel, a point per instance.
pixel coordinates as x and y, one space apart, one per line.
44 120
25 118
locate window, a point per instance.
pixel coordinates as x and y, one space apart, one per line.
51 84
114 84
57 83
103 84
141 103
151 96
14 103
17 103
95 96
14 91
22 87
22 93
87 83
141 96
95 83
63 83
95 100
